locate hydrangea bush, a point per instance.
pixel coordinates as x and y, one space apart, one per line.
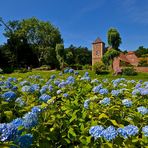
73 110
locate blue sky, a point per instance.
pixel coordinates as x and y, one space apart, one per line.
82 21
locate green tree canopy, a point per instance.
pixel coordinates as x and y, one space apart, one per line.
114 39
39 36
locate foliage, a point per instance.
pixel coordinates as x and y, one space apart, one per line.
77 55
30 41
84 112
87 67
109 56
60 54
114 39
44 67
141 52
99 68
143 63
129 71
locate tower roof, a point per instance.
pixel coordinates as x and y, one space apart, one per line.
98 40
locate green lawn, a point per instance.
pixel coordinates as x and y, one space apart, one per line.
46 74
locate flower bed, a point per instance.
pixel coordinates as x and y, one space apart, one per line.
69 110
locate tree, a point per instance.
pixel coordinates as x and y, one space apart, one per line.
142 52
60 55
114 39
109 56
39 37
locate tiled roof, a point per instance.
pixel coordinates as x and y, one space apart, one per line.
98 40
122 57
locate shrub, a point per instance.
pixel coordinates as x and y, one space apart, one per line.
44 67
100 68
76 66
87 67
8 69
1 71
143 63
129 71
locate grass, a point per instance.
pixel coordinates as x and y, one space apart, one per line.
47 74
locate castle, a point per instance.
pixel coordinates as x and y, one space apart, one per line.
98 50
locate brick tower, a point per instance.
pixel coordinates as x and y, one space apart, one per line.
98 49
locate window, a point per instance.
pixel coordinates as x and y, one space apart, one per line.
97 52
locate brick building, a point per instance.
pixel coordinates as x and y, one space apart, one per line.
98 49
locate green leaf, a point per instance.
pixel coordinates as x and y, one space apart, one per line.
114 123
103 116
71 132
74 116
8 114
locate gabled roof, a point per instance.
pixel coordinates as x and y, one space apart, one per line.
98 40
122 57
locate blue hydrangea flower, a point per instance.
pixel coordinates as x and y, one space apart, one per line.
109 133
52 77
96 131
66 70
70 80
62 84
10 95
28 89
2 127
71 70
85 78
105 101
36 87
24 83
30 120
20 102
138 85
8 84
42 91
144 92
17 122
127 103
59 91
14 88
94 81
86 74
103 91
96 89
24 141
65 95
135 92
115 92
76 73
50 88
56 82
131 130
143 110
10 79
44 97
145 130
1 83
9 133
122 132
86 103
36 109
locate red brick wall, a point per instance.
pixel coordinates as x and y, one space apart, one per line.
141 69
116 63
132 58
